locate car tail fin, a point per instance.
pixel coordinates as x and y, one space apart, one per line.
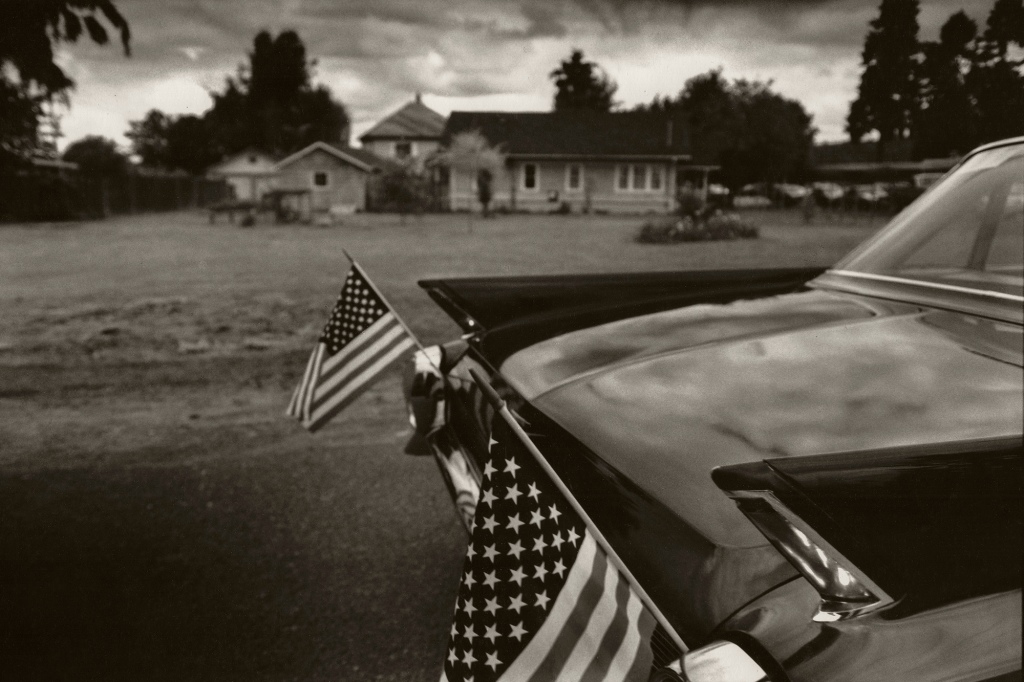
919 525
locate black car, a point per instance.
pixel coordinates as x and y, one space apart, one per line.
814 474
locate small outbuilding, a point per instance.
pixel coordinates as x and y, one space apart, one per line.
250 174
336 176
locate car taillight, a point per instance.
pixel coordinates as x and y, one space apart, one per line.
845 591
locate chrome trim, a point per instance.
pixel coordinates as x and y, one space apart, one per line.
722 662
828 611
927 285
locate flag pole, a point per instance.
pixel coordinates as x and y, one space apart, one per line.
386 301
501 408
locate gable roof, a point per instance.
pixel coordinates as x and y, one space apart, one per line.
577 133
360 158
415 120
239 163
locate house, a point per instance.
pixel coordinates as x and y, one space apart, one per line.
335 175
412 132
249 174
624 162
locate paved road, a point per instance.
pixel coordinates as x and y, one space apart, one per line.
339 565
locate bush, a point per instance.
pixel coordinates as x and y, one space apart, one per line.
721 226
690 202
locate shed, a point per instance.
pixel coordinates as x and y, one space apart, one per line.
249 174
336 175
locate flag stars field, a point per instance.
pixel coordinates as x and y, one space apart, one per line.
530 586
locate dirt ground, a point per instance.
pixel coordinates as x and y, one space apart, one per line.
160 518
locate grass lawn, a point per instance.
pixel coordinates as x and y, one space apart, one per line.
150 336
134 287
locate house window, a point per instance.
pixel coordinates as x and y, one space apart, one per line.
403 150
623 178
321 179
573 177
530 173
639 177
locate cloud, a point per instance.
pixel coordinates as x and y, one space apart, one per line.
480 54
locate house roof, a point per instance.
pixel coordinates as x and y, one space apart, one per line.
247 162
415 120
360 158
578 134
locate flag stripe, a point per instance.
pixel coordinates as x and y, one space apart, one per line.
614 636
351 347
588 640
294 409
293 404
307 398
637 644
357 374
329 381
575 625
357 385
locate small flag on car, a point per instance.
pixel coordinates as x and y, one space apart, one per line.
541 598
362 338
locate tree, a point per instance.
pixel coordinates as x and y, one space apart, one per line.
582 85
149 138
29 31
271 104
173 142
96 156
19 123
995 81
29 76
947 122
753 133
469 153
887 98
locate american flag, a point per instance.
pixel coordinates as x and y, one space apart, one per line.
539 598
362 338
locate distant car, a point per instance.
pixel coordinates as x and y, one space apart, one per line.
790 195
815 474
871 195
828 193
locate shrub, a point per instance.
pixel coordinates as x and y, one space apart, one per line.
690 202
721 226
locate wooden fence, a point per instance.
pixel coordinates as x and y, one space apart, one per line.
37 194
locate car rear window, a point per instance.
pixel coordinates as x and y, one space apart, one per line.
967 231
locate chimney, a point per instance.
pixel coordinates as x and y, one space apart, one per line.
419 98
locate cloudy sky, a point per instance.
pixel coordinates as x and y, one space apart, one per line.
480 54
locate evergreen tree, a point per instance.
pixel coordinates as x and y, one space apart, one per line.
271 105
887 98
582 85
948 121
995 81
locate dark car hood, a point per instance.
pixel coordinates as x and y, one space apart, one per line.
667 397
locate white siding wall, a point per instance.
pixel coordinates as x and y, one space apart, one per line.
599 191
